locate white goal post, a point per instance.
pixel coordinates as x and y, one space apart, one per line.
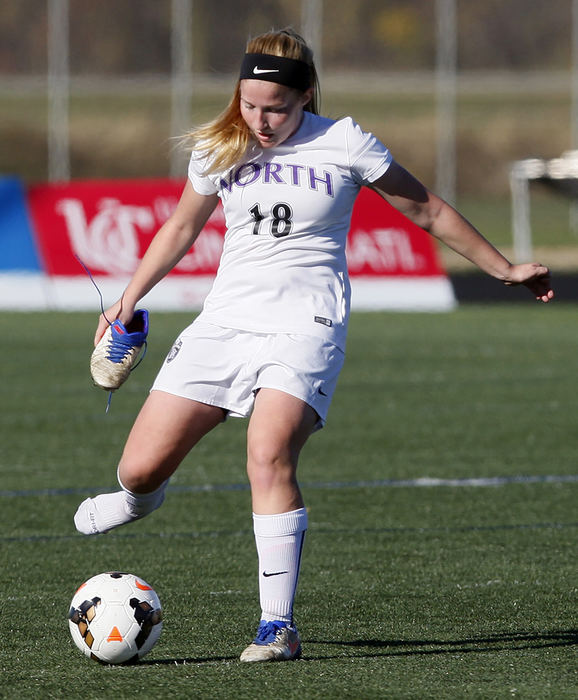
559 173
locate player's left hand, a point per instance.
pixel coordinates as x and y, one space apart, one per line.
535 277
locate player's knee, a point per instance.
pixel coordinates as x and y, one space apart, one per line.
138 478
268 465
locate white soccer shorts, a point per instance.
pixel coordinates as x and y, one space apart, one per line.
226 367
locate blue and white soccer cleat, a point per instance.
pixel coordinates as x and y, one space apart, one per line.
275 641
117 351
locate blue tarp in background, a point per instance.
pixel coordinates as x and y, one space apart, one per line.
17 247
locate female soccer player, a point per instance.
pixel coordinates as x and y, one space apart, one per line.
270 340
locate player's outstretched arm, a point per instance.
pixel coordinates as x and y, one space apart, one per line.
168 246
403 191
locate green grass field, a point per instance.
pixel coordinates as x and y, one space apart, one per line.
409 588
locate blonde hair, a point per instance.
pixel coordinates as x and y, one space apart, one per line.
226 138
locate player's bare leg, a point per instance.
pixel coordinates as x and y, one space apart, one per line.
278 430
166 429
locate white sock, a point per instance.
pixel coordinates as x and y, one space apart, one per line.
109 510
279 540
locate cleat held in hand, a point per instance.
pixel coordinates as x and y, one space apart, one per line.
117 351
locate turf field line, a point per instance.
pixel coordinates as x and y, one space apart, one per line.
322 529
429 482
420 482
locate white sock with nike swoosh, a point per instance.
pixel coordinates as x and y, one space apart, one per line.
279 539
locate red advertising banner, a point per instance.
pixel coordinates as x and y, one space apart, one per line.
109 224
382 242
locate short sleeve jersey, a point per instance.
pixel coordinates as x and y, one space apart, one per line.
287 211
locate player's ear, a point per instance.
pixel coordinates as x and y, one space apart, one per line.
307 96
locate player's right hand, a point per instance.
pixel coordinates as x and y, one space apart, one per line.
118 310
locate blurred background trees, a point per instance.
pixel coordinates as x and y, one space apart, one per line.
124 36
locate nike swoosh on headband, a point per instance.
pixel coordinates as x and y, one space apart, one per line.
258 71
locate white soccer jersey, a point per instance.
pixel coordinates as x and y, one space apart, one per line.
288 211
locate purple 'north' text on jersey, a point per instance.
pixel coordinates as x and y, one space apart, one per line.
278 173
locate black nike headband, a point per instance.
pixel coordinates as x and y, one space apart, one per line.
276 69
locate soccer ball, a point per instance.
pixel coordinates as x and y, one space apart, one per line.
115 618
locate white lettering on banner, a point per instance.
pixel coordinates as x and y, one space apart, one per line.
383 250
109 241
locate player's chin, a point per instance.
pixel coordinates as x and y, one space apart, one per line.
266 142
